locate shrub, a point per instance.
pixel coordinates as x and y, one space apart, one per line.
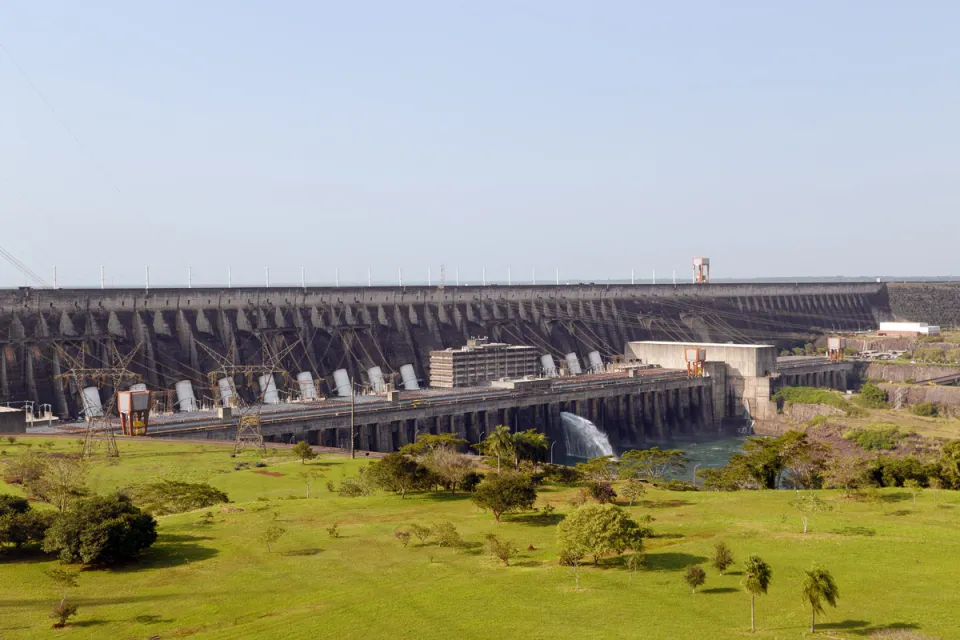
883 439
100 531
925 409
677 485
502 550
813 395
422 532
602 492
561 474
470 481
579 498
356 486
63 611
170 496
447 535
260 464
872 396
334 530
403 537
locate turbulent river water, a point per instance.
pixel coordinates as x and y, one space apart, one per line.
583 438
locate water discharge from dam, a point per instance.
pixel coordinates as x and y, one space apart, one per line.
582 438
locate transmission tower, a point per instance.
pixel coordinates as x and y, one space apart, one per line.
249 431
100 428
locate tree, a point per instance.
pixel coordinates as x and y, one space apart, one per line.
935 485
529 446
601 469
846 472
722 557
756 579
695 577
422 532
271 535
633 490
635 562
448 466
426 442
914 486
100 531
598 529
502 550
652 464
950 465
62 480
20 524
398 473
499 444
64 581
818 588
808 504
310 478
304 451
505 493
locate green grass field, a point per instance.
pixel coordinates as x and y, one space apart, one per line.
895 563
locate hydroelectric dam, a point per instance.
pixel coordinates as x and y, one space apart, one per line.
359 328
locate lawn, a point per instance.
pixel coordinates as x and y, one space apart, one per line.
895 563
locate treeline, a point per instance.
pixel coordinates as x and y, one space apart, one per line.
794 461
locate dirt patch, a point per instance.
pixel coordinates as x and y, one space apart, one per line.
272 474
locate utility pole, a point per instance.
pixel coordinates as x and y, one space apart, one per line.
303 278
147 270
101 276
631 277
229 279
267 269
369 278
534 276
54 277
558 276
338 276
189 277
509 278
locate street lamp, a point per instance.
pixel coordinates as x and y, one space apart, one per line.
551 451
695 473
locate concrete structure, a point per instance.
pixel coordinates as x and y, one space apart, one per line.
908 329
745 376
13 420
741 373
481 361
361 327
633 409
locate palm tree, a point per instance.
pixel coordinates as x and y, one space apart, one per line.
756 579
817 588
500 443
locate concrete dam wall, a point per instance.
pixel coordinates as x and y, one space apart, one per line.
931 302
358 328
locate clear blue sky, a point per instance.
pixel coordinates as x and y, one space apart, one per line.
803 138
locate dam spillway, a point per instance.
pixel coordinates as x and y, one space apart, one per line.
358 328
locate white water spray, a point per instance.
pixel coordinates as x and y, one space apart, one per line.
582 438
